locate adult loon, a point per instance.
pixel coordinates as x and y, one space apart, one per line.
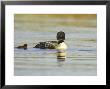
59 44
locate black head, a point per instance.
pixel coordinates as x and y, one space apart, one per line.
25 44
60 35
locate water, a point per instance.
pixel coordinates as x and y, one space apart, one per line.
80 55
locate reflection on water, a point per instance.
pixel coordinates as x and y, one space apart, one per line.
61 57
78 60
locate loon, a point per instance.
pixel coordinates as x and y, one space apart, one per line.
22 47
59 44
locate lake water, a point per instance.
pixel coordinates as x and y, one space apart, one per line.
80 56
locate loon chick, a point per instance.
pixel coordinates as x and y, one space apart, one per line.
22 47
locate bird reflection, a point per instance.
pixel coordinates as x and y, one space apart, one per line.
61 56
